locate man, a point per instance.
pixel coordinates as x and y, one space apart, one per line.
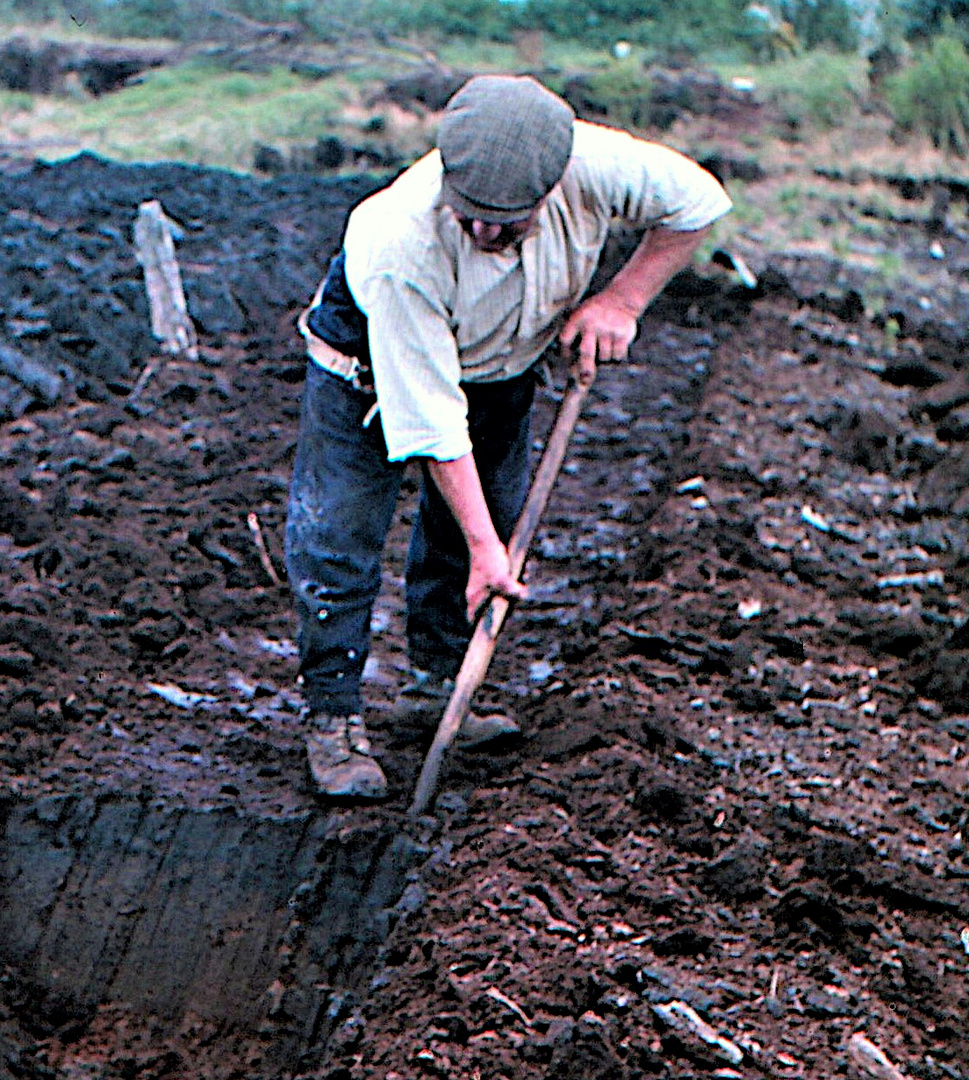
422 340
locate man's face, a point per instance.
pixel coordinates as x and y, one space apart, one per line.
492 237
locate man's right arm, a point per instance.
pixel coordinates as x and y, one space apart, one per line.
424 413
490 571
425 416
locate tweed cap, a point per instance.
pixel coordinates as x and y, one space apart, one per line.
505 141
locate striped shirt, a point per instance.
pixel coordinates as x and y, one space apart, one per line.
439 312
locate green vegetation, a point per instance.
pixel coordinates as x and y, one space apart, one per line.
746 214
697 27
790 200
623 90
15 101
691 26
817 81
932 96
889 265
841 247
824 24
924 19
808 102
531 51
815 90
196 113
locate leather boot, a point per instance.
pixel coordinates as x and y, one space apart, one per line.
340 761
427 697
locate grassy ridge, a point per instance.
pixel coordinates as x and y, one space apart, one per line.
192 113
201 112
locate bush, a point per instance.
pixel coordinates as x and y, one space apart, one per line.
621 93
451 18
147 19
690 24
932 95
823 24
926 18
330 20
818 90
697 26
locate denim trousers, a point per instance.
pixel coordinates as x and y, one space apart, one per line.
341 505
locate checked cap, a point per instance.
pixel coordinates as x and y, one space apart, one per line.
505 141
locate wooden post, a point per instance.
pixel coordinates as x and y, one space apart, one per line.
155 250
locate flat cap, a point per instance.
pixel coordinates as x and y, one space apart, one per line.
505 141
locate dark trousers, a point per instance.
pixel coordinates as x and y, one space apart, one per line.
341 505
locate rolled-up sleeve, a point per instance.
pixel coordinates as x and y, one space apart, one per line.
648 184
416 371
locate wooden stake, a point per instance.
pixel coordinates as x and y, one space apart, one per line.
155 250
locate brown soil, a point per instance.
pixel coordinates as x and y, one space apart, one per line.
741 678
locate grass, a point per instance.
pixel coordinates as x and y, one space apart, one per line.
932 96
814 84
198 113
790 200
889 265
528 53
193 113
746 214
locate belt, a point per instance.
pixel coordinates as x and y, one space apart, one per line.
346 367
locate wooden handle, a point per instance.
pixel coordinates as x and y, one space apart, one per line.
485 636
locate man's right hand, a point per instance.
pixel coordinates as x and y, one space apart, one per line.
490 575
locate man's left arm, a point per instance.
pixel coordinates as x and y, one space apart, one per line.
605 325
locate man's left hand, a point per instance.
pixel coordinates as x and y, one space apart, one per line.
604 329
605 324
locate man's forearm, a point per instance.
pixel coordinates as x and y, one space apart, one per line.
660 255
490 569
460 485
